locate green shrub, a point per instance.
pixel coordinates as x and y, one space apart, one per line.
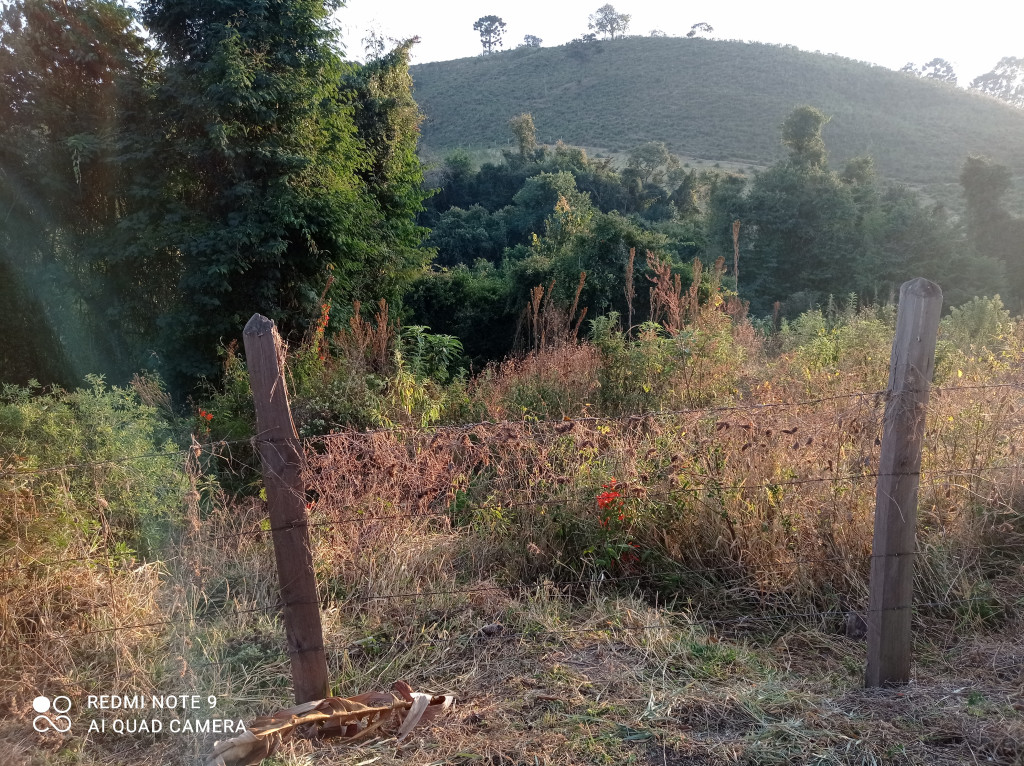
90 462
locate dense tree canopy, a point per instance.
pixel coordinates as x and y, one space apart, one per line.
258 157
72 80
168 198
992 232
163 182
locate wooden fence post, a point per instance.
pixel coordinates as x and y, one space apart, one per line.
892 561
281 458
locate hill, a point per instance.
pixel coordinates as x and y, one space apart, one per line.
719 100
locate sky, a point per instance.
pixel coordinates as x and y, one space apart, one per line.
886 32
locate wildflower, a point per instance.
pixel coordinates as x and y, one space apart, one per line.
208 416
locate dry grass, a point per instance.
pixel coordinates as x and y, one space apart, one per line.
694 616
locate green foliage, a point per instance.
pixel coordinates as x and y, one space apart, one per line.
636 375
155 202
804 221
429 355
853 342
801 134
476 305
980 323
992 232
463 236
526 134
602 252
256 174
72 85
108 467
387 122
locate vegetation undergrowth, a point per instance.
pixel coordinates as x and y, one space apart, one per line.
686 498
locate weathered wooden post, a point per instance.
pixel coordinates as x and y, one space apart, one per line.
892 562
281 458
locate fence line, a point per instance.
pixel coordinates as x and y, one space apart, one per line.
671 494
254 440
298 525
793 561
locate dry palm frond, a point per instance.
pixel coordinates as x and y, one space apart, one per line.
353 718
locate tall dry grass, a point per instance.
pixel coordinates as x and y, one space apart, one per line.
681 464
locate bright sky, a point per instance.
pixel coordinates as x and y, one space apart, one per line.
887 32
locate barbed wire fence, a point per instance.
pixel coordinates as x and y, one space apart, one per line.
336 507
363 490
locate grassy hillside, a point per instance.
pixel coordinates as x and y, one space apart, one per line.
717 100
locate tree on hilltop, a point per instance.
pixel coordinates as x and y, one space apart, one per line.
936 69
607 21
699 29
491 29
1005 81
531 41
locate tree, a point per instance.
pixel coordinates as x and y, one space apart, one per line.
374 44
582 48
73 77
806 239
277 168
700 29
657 33
531 41
526 134
387 120
1005 81
936 69
607 21
464 236
491 29
992 232
801 133
646 160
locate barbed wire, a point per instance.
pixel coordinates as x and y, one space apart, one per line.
994 547
184 452
711 484
255 440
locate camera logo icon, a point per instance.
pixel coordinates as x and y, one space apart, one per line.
57 722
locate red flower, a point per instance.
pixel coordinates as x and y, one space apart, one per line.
205 415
